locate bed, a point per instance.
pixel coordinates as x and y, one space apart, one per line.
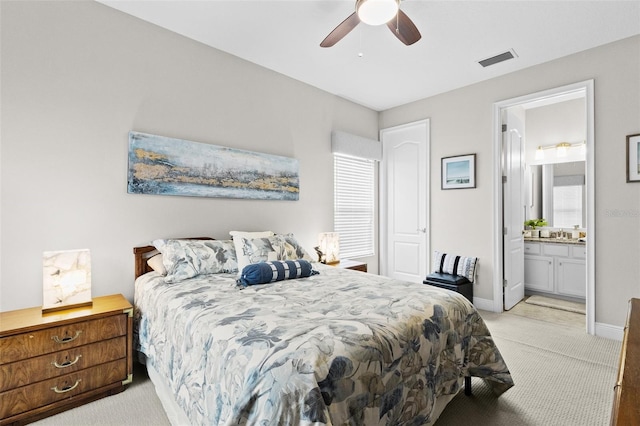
339 347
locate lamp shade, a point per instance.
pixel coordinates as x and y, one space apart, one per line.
329 245
376 12
66 279
561 149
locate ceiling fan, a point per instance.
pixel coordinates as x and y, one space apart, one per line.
376 12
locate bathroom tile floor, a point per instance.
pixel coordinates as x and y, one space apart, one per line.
553 315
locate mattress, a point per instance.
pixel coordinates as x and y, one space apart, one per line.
340 347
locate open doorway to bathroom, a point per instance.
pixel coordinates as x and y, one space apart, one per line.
556 185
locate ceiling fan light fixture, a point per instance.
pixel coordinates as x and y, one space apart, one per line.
377 12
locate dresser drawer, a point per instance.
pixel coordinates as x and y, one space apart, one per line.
22 373
27 345
26 398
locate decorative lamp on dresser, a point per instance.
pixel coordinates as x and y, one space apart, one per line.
55 361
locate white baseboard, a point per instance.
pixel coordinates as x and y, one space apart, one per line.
609 331
483 304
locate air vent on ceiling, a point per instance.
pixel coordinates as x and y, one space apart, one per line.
509 54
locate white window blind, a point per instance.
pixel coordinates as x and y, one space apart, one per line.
354 205
567 206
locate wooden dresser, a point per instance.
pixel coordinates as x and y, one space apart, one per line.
626 405
56 361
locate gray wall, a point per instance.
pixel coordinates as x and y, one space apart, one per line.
461 123
552 124
76 77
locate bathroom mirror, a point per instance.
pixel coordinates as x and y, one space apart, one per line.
563 200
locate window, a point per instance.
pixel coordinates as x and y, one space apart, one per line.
567 206
354 205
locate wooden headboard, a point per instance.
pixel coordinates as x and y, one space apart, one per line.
143 253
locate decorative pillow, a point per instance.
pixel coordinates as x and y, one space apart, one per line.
444 263
188 258
276 247
266 272
156 263
293 250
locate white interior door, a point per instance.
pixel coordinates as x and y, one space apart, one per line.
404 201
513 207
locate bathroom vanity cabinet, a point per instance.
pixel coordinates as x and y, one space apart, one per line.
556 268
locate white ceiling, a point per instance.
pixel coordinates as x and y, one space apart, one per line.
285 35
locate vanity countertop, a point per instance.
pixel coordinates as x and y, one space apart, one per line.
554 241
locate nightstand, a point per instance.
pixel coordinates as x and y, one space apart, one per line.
350 264
56 361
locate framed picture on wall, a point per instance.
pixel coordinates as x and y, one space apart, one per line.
459 172
633 158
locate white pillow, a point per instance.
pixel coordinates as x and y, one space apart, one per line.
155 263
250 235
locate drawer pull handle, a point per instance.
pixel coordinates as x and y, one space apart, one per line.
67 363
66 388
66 339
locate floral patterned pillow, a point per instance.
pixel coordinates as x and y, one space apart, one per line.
276 247
293 250
185 259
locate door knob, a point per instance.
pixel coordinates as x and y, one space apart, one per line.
423 230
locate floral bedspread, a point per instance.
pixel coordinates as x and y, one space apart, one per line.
341 347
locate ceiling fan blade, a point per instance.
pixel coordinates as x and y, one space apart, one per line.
406 30
341 30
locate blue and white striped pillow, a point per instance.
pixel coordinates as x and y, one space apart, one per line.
277 270
463 266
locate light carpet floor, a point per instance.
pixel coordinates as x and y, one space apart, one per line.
562 377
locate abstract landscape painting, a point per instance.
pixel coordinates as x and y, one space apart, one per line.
168 166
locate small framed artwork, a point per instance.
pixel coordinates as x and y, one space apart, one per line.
459 172
633 158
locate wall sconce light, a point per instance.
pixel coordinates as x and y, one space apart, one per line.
329 247
562 149
377 12
66 279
